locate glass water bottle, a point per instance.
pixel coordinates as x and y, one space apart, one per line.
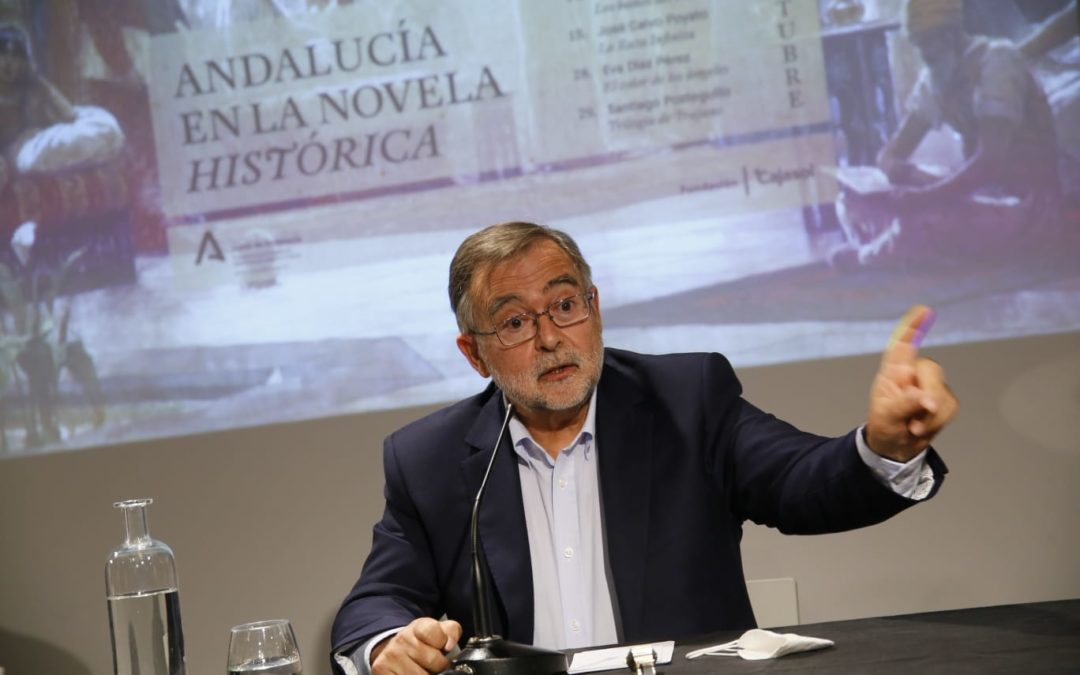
144 600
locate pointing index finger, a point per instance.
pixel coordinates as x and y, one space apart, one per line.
909 333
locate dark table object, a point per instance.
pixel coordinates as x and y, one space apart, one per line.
1032 638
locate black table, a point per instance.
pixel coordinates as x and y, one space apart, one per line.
1032 638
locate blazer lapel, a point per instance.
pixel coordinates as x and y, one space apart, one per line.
503 535
624 428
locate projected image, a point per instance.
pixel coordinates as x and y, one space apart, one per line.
225 214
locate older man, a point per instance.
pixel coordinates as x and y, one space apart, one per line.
1006 194
615 511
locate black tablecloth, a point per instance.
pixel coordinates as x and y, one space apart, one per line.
1032 638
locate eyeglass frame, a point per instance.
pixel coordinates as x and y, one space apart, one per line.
589 296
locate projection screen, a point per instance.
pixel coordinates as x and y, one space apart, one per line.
221 214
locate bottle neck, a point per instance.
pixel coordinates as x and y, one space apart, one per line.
136 532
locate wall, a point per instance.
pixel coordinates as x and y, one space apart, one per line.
275 522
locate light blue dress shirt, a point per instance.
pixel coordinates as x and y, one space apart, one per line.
572 599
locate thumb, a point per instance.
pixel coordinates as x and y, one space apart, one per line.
453 633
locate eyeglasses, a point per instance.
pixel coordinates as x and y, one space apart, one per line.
564 313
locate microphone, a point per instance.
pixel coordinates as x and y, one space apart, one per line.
487 653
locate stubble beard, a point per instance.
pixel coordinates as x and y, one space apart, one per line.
527 391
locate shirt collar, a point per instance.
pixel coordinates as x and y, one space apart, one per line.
529 450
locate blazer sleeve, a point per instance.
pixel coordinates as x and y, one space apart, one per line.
797 482
398 580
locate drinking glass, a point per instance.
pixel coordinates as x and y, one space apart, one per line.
264 648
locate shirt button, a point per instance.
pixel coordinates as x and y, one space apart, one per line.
562 482
568 552
575 626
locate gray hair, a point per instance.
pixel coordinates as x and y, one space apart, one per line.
496 244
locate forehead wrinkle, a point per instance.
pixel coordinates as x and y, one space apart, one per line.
497 303
562 280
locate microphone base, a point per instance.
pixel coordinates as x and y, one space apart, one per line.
496 656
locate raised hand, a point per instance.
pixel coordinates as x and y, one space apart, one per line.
909 399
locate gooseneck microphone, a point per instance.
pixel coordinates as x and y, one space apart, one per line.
487 653
481 575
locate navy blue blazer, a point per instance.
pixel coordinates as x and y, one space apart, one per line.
683 461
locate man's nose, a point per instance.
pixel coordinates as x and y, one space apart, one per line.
548 335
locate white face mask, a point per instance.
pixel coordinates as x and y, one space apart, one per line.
757 645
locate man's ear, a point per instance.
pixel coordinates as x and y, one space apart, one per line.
471 350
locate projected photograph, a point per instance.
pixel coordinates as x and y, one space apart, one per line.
221 214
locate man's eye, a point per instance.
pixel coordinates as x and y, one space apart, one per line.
514 323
